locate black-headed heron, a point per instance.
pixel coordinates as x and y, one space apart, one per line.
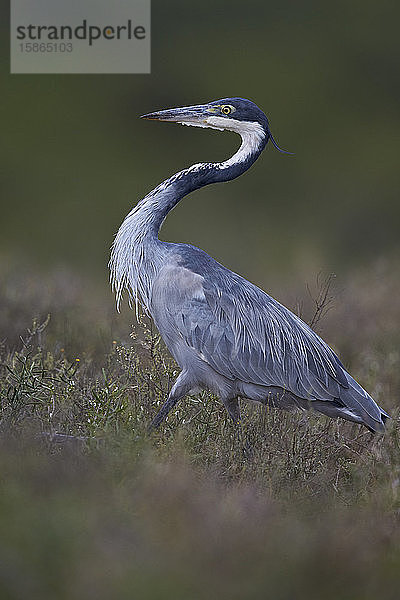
226 334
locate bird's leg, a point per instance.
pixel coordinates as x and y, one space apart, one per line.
233 408
180 388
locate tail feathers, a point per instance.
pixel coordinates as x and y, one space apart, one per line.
358 403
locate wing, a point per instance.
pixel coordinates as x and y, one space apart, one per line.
243 333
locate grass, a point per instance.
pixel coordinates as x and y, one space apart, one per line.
92 506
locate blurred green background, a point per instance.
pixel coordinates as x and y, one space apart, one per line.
75 157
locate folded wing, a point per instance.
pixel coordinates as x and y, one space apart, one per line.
243 333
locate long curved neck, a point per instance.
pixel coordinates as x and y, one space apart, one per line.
138 234
160 201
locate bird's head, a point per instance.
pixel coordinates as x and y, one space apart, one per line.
231 114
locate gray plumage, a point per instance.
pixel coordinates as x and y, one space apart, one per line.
226 334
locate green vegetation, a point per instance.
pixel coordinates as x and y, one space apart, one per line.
93 506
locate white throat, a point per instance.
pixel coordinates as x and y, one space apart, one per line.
251 132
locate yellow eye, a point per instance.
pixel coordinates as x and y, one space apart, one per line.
226 109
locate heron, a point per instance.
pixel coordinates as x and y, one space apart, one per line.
226 334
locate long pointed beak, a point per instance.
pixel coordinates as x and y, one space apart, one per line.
185 114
